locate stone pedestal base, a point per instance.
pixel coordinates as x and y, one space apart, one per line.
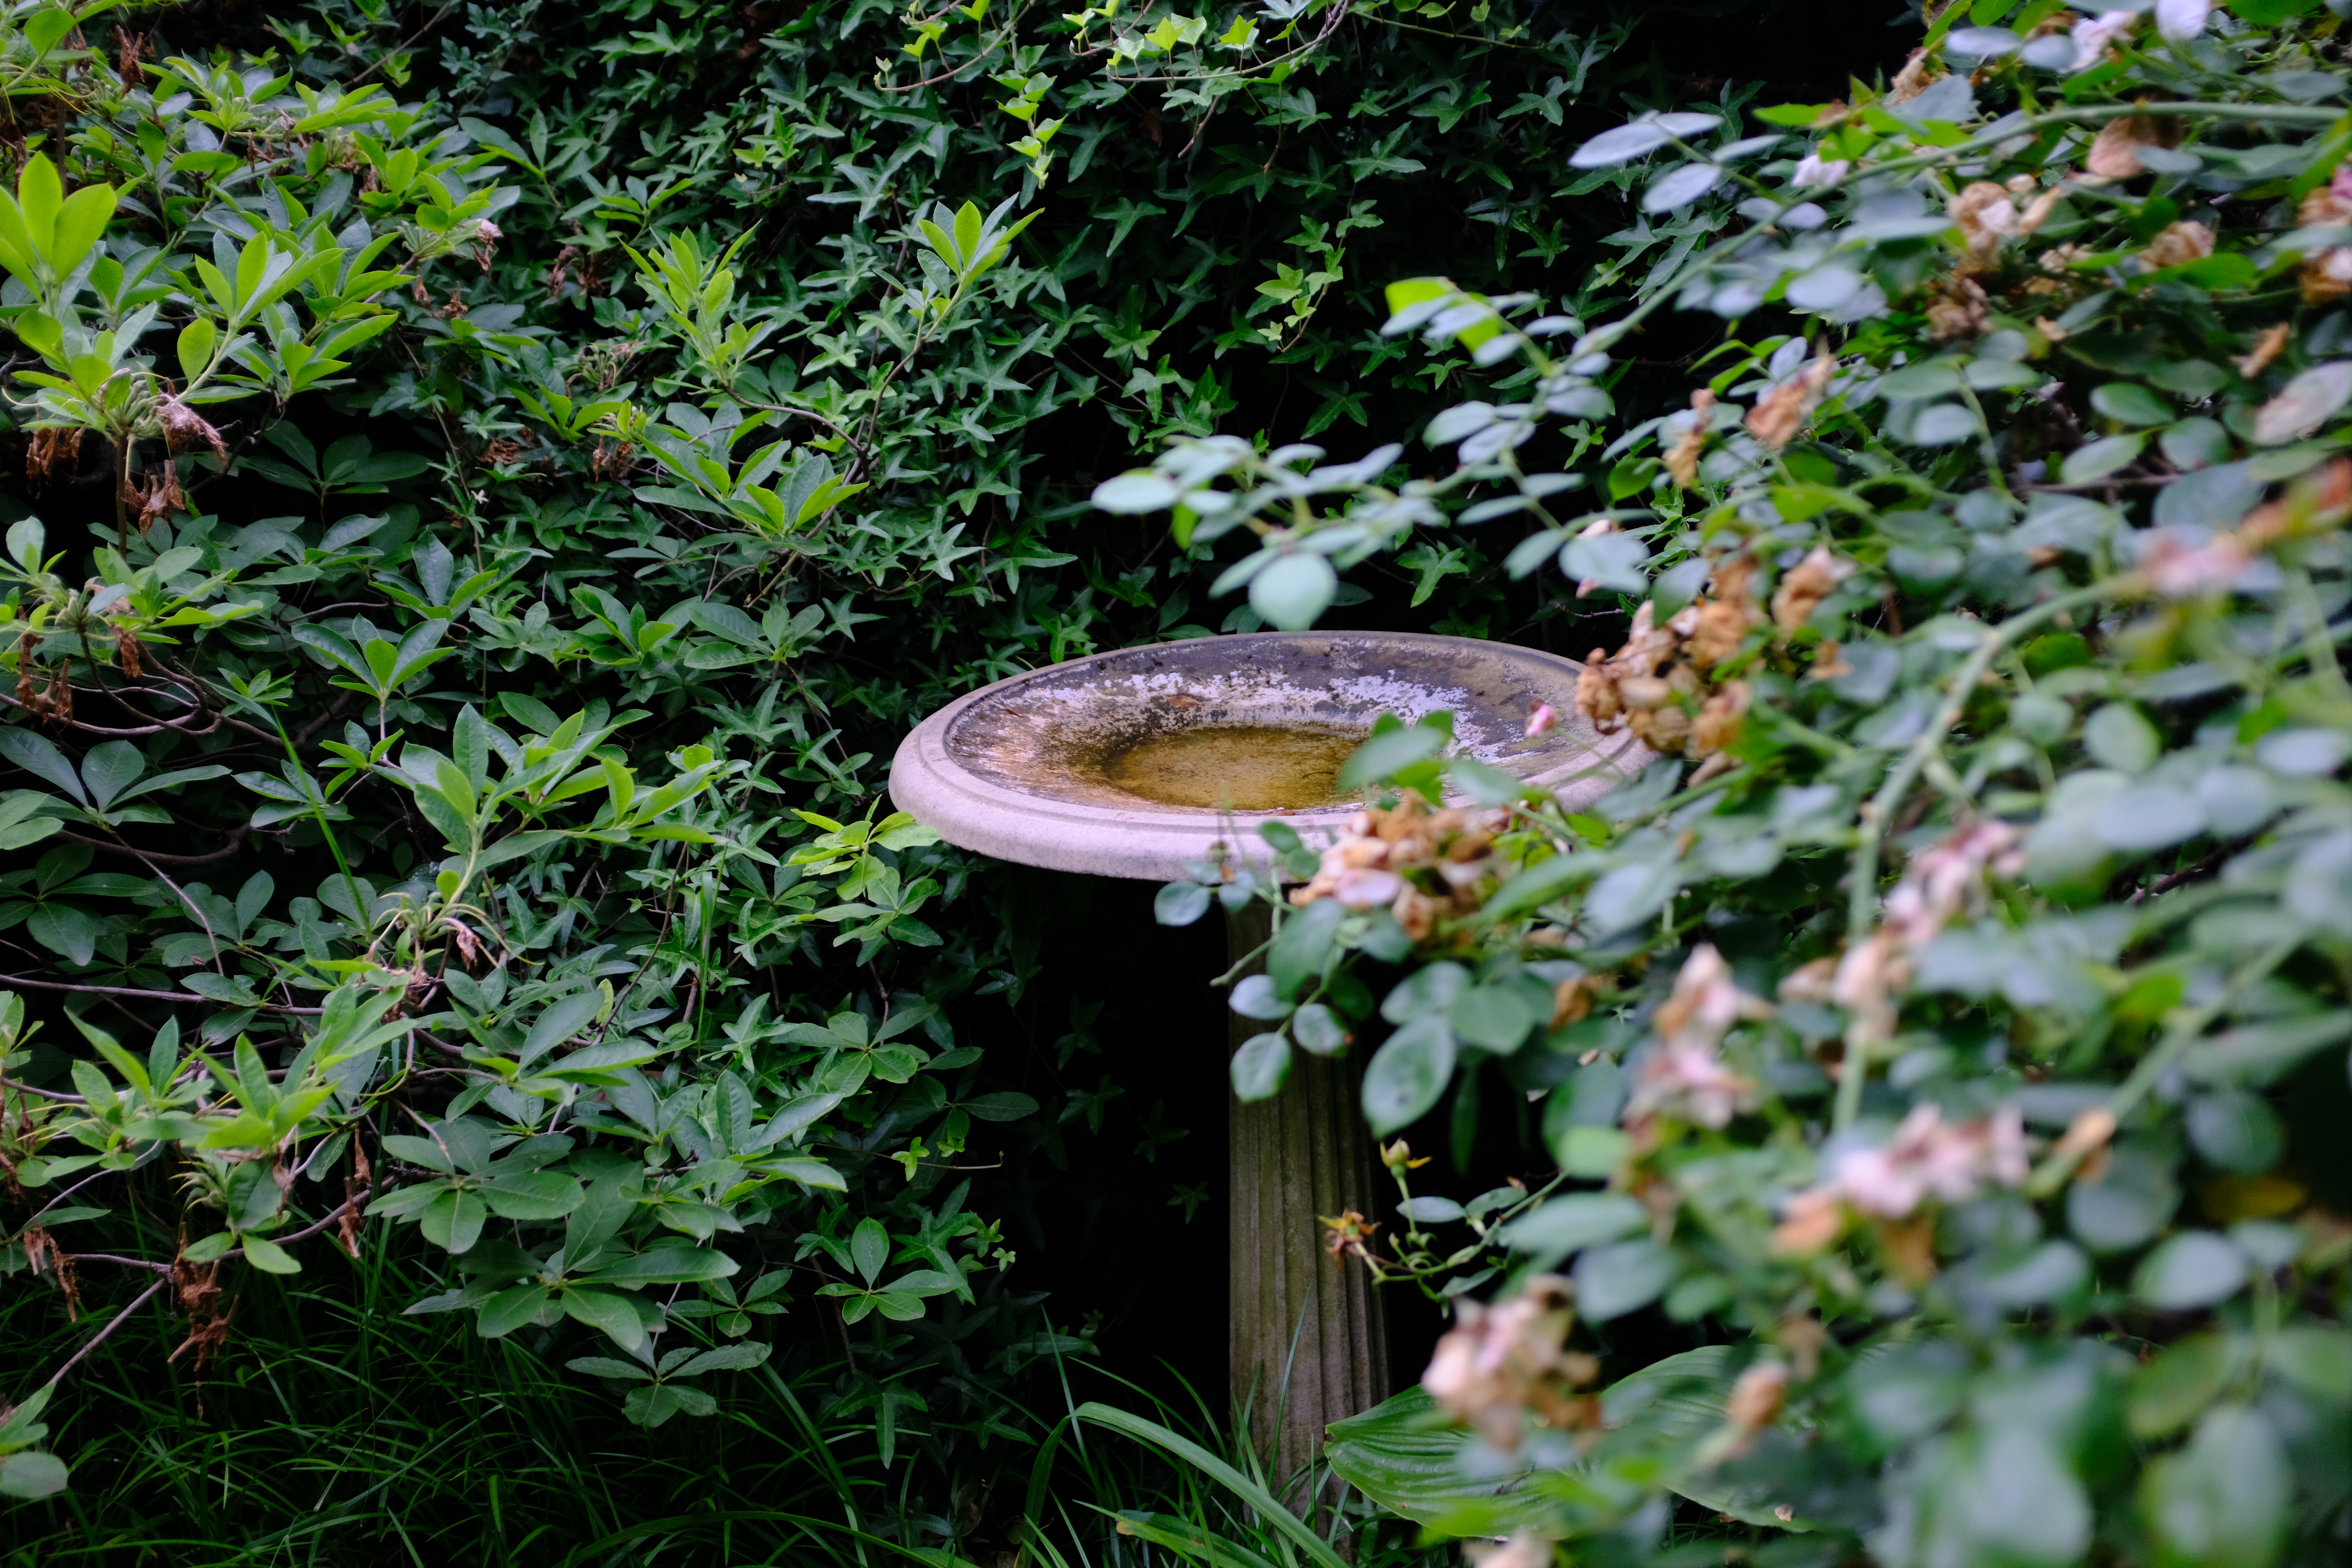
1307 1344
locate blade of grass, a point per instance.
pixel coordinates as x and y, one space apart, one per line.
1241 1486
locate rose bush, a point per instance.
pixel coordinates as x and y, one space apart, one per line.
1944 1034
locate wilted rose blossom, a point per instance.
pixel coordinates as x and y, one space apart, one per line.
1941 880
1682 459
1807 584
2037 211
1690 1083
1756 1401
1814 171
2178 19
2177 569
1685 1077
2093 34
1499 1363
1781 412
1913 80
1524 1550
1926 1158
2270 341
1364 887
1587 587
2326 273
2177 244
1719 720
1869 977
1720 622
1939 883
1368 866
1957 308
1985 217
2177 565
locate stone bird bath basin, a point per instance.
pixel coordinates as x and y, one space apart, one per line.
1137 762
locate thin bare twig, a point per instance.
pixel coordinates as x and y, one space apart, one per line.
413 38
95 1339
126 1262
151 995
236 842
9 1083
362 1196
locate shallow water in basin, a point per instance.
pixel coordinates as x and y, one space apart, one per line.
1236 767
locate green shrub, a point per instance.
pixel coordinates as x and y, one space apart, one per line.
496 486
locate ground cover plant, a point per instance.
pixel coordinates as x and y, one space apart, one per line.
493 488
1945 1034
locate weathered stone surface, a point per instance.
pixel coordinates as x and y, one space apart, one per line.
1027 770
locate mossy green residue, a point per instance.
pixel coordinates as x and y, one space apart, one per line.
1236 767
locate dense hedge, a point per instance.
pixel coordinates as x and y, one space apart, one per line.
497 470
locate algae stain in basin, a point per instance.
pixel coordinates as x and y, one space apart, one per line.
1236 767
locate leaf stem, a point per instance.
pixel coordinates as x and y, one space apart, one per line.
2187 1026
360 913
1862 896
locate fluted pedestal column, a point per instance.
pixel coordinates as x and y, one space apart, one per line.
1294 1308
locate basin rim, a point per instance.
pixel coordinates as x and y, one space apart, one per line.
1152 843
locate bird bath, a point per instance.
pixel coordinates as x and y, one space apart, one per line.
1141 762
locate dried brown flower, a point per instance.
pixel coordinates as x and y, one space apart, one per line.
1756 1399
2114 153
1909 1248
51 447
44 1256
1597 697
1725 617
1916 75
156 496
2037 212
2269 344
1807 583
1663 728
1572 1000
199 1290
1987 220
1349 1232
128 53
1956 308
128 651
2328 274
184 428
1781 412
1503 1362
1809 982
1682 460
1804 1338
1810 1221
1719 720
2177 244
1685 1077
1416 912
